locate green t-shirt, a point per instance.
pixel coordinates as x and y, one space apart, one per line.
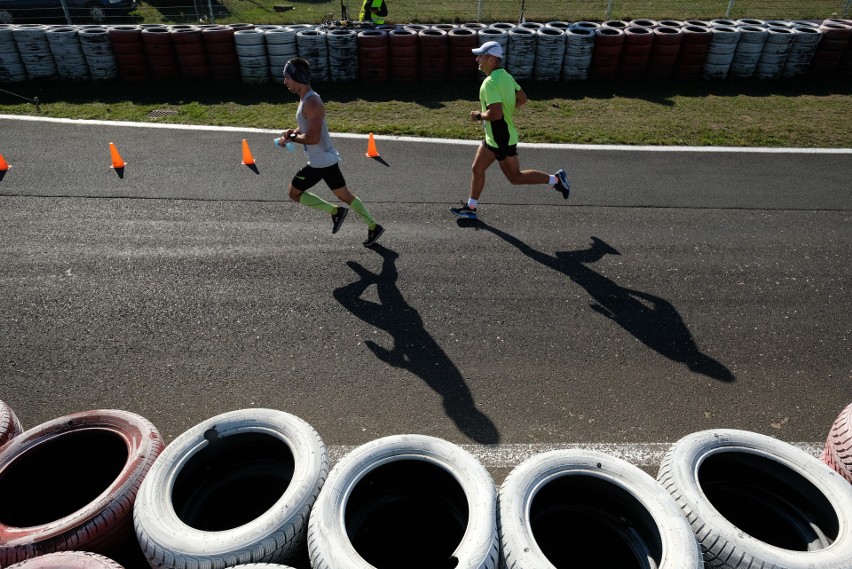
500 87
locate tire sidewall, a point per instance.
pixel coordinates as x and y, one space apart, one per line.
154 514
683 463
679 548
327 534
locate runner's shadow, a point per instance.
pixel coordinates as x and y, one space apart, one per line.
414 349
650 319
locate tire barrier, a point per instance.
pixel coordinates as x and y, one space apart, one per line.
31 42
129 51
693 50
162 59
462 64
409 497
313 47
373 56
404 55
549 52
221 53
103 457
434 54
342 55
754 501
720 52
236 488
837 453
97 49
667 40
711 50
575 508
68 560
830 51
749 48
65 47
251 53
579 46
636 53
10 426
519 58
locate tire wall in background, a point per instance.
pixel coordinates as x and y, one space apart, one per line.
104 456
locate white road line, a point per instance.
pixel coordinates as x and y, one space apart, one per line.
509 456
590 147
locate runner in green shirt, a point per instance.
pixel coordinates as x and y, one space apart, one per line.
499 96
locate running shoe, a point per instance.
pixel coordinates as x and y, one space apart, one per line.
562 185
337 218
373 235
465 211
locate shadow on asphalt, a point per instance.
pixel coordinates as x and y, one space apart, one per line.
650 319
414 349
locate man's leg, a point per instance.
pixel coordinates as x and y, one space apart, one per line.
481 162
512 170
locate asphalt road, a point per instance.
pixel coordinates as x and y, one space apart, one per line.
674 291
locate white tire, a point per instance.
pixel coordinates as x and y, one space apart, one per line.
236 488
754 501
408 501
576 508
68 560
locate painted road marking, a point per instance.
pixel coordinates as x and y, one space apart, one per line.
590 147
509 456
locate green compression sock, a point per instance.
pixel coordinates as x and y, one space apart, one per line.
316 202
359 208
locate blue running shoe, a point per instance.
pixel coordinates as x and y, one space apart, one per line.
562 185
465 211
337 218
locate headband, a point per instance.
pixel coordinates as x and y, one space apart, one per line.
299 74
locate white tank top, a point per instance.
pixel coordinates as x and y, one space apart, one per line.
321 154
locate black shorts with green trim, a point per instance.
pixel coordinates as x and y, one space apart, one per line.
308 177
502 152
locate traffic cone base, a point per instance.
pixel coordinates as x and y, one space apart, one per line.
3 164
248 159
371 147
117 161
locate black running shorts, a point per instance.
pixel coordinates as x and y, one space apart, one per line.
503 152
308 177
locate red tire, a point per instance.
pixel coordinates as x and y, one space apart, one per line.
10 426
838 446
68 560
70 483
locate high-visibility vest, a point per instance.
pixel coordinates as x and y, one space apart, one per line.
366 14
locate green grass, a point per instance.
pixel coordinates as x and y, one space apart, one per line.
797 113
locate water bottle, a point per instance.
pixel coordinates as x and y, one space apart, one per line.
289 145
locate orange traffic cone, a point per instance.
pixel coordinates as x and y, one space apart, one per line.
117 162
248 159
3 164
371 148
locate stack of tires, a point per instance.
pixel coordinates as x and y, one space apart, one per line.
802 50
462 62
190 52
579 47
162 59
66 50
97 49
32 44
664 52
638 42
549 53
342 55
313 47
250 44
129 51
749 49
434 47
519 55
775 50
404 55
720 52
373 60
12 67
831 49
694 48
221 53
609 43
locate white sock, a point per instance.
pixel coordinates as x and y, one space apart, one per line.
553 180
471 203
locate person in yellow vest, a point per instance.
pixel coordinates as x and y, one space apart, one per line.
374 10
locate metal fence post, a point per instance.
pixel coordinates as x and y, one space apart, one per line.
846 8
210 7
609 10
730 7
479 11
67 14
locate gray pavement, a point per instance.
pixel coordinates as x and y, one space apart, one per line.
674 291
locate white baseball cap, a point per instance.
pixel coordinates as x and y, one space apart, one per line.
489 48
